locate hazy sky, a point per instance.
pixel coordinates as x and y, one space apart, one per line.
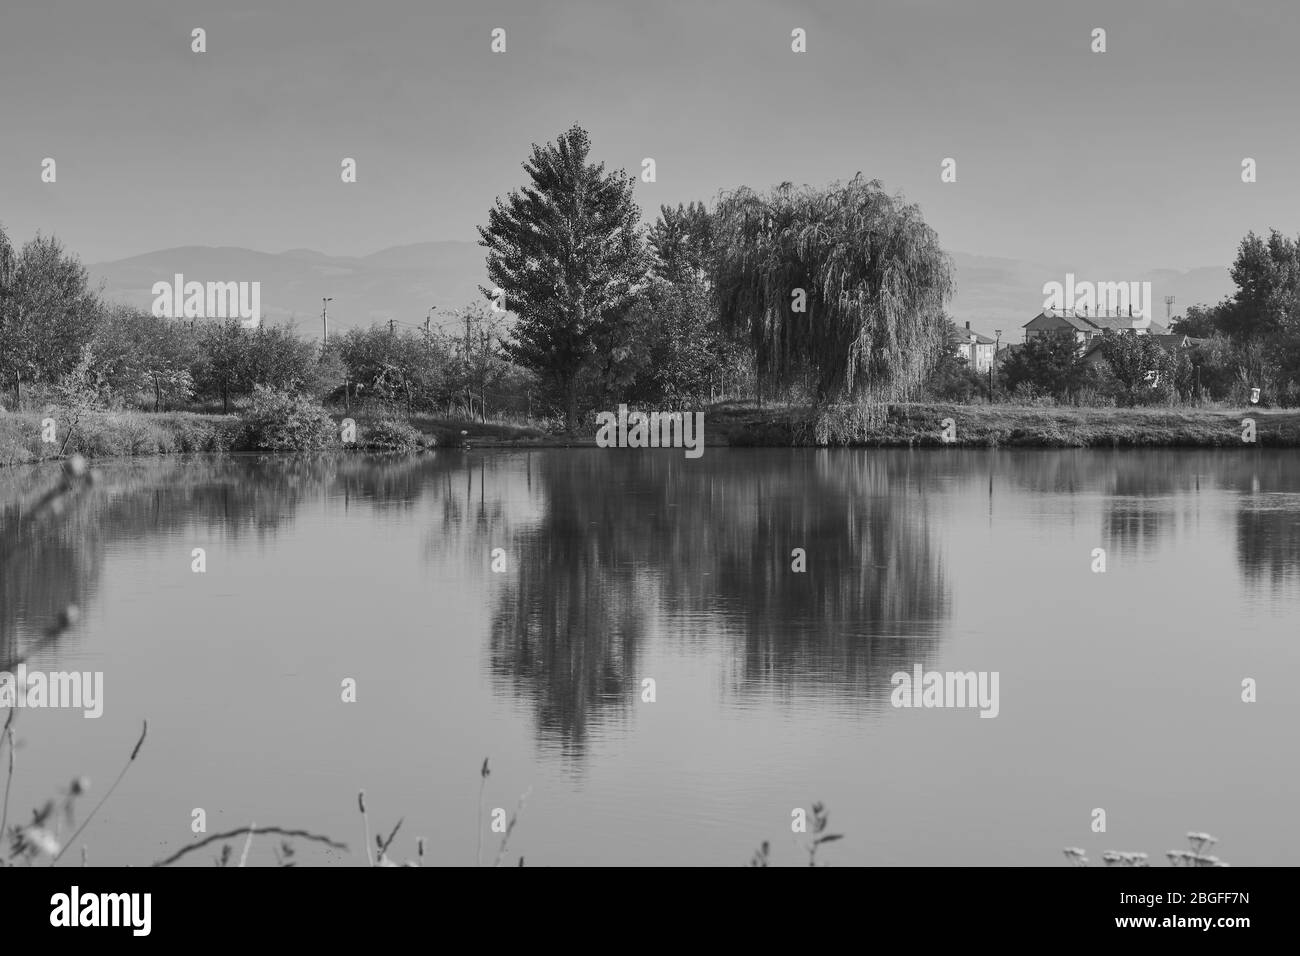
1126 160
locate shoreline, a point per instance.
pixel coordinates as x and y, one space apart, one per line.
111 435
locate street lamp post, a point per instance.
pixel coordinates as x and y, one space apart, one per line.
997 344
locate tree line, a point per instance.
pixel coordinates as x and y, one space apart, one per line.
1250 340
56 329
800 294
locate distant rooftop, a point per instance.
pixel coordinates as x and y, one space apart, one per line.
964 336
1093 321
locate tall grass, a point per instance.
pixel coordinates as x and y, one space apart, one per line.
116 435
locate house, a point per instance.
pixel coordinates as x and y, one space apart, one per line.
973 347
1087 327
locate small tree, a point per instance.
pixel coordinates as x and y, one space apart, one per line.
79 391
47 311
1048 363
222 363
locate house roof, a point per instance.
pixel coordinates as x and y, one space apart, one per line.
1095 321
963 337
1171 341
1068 317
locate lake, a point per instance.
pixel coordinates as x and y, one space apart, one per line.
772 687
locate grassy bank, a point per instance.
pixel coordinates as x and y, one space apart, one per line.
736 424
985 426
127 434
117 435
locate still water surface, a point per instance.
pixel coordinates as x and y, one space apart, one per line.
1119 690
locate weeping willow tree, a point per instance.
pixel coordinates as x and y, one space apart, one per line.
873 281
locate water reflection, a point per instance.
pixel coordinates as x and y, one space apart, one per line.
708 554
609 553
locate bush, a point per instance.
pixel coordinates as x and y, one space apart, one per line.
15 452
953 380
390 435
1028 393
279 421
1049 365
1098 395
195 433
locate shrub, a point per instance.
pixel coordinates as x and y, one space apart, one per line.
15 452
953 380
1028 393
390 435
1099 395
1050 364
280 421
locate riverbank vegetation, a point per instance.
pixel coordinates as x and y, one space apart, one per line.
828 301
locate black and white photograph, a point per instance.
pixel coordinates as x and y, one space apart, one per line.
664 434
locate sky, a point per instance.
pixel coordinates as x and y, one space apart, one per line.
1125 160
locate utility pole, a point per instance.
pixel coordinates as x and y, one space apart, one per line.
325 319
997 344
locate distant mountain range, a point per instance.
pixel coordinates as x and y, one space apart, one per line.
401 283
404 282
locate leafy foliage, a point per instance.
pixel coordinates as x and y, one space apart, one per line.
389 434
280 421
874 277
47 311
953 380
682 242
567 251
1143 371
1045 365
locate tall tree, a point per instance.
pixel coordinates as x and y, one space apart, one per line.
1267 274
1200 321
49 311
682 241
844 284
11 358
221 369
567 251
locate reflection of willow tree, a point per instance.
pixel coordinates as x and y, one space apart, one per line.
874 599
705 549
57 561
